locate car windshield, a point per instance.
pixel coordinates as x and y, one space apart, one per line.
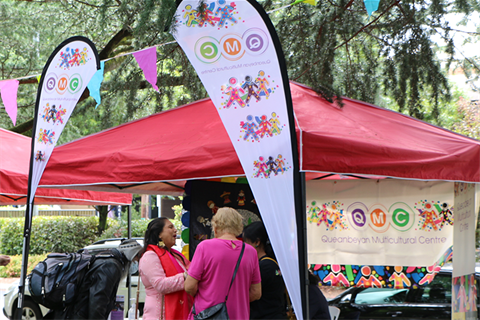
381 296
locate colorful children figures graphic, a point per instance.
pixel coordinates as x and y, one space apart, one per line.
317 215
39 156
446 216
73 58
429 215
367 279
275 124
335 278
191 15
399 279
265 167
233 91
51 113
205 16
248 85
387 276
250 128
226 13
242 93
262 128
46 136
208 16
262 83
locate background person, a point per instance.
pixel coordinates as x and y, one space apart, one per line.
4 260
272 303
96 297
162 270
318 304
213 264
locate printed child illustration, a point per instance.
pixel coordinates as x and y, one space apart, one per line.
250 128
226 14
263 126
336 278
368 280
248 85
233 91
191 15
262 83
399 279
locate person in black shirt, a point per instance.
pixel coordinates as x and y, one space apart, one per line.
318 304
272 303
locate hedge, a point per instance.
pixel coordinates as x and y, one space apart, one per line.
56 234
13 269
61 234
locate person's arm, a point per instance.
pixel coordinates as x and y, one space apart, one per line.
191 285
4 260
152 270
255 291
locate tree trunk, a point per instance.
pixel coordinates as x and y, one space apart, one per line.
102 218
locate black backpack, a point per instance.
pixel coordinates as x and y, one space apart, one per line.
55 281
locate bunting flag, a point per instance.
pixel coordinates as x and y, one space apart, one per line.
94 84
147 61
371 6
235 50
9 89
64 78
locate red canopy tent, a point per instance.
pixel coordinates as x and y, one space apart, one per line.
158 153
14 163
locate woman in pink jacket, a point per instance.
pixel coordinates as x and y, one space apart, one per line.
163 272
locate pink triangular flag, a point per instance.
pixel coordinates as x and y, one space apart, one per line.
9 90
147 60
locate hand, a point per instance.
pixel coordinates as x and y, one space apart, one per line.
185 275
4 260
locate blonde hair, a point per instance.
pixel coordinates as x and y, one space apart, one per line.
228 220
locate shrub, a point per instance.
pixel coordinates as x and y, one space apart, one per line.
119 229
49 234
13 269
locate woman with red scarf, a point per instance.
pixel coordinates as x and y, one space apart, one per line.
163 272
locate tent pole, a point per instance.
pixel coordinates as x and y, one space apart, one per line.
25 251
302 240
129 230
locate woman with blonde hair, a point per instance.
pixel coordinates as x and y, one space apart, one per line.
212 268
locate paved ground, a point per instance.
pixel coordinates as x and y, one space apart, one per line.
5 283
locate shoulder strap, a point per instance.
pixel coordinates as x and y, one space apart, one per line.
236 269
268 258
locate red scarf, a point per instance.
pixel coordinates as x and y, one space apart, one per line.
177 304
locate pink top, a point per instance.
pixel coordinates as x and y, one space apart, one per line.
213 265
157 284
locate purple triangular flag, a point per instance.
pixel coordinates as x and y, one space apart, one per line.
9 90
147 60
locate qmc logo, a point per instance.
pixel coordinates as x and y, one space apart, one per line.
62 83
231 46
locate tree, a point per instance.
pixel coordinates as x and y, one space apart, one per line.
388 58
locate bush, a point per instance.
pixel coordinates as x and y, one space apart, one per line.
13 269
49 234
119 229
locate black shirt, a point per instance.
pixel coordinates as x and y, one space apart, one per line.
317 303
272 303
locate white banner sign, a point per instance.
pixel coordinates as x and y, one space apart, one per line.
379 222
64 78
464 230
236 53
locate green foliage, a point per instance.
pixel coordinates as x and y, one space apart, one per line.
49 234
333 47
119 229
13 269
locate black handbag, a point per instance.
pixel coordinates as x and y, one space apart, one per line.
218 311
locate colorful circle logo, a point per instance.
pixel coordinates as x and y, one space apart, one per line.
207 50
256 41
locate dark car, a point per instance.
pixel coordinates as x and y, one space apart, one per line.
433 301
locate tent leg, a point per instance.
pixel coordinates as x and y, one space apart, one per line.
301 218
129 230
